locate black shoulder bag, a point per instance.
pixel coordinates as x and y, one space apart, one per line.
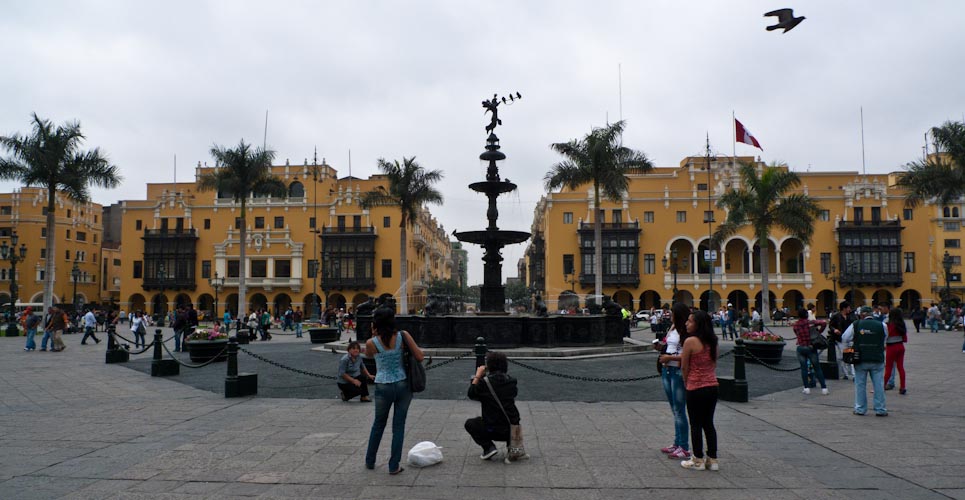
415 371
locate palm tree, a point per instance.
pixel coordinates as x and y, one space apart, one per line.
762 203
51 158
601 159
941 176
410 187
242 172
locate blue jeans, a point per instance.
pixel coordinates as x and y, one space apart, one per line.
673 387
298 329
933 325
30 338
387 395
804 354
177 340
877 373
48 335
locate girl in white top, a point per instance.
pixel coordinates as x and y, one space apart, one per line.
673 382
138 328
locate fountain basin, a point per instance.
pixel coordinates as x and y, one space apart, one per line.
488 237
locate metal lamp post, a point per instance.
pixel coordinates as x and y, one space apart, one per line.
10 253
673 269
832 275
75 274
216 283
852 274
947 265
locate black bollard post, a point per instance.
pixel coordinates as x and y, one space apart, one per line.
735 388
830 367
161 367
481 351
114 353
236 384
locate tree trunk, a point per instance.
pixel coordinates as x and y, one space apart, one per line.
597 247
50 263
242 265
403 274
765 292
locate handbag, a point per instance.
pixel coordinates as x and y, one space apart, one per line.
515 450
818 341
415 371
851 356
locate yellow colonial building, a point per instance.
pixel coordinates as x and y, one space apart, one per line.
78 236
867 245
317 246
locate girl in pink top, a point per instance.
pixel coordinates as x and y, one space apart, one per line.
698 362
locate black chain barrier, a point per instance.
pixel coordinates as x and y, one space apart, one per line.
283 367
582 379
767 365
450 360
189 365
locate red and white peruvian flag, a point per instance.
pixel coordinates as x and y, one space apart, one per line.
745 136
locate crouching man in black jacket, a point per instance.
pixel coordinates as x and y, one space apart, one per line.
493 425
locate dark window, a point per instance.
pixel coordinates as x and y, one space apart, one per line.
296 190
179 224
43 211
95 219
137 225
956 243
312 268
568 264
238 222
205 269
259 269
946 212
648 217
824 215
207 223
341 222
283 269
701 187
164 224
311 223
67 255
81 236
708 216
617 216
386 268
356 221
43 253
279 223
386 221
567 217
858 214
68 234
681 216
43 232
825 263
117 262
259 222
909 262
649 263
6 210
68 213
138 269
95 238
908 214
876 214
233 269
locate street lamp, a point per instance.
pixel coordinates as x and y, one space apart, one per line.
10 253
673 269
834 283
75 274
216 283
947 264
317 310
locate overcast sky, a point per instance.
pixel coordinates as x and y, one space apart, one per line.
151 80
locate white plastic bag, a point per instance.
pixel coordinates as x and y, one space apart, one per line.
425 454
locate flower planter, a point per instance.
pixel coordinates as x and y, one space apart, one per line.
323 334
765 351
204 350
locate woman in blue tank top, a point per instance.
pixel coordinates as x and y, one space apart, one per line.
391 386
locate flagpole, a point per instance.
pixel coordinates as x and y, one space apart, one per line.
733 135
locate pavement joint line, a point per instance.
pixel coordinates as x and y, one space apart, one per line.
836 452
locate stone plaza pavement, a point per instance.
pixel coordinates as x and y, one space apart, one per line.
78 428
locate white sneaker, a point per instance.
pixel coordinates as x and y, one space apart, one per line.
712 464
806 391
825 392
693 463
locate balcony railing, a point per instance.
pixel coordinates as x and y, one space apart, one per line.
177 232
869 223
267 283
347 283
348 230
737 279
611 225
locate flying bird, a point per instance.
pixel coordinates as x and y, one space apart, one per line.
520 97
785 19
504 100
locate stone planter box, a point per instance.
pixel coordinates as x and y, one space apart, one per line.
767 352
205 350
323 334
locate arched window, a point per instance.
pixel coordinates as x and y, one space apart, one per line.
223 194
946 212
296 190
954 211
